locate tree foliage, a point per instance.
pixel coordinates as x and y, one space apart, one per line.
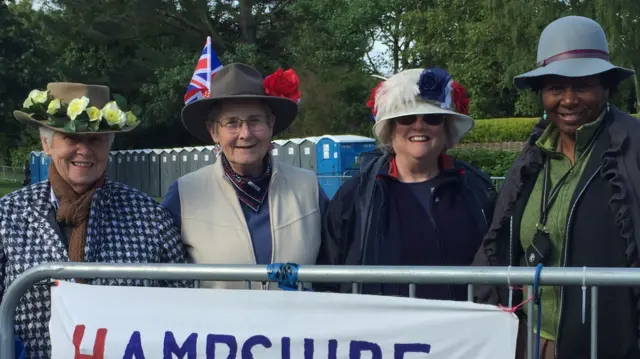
147 50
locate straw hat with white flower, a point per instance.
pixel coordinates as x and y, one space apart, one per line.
77 108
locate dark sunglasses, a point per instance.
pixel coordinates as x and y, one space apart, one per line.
433 120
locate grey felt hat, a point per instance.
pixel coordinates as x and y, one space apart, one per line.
572 46
237 81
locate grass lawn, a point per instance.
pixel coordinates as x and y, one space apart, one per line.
6 187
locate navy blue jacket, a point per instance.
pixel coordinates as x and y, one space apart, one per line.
357 217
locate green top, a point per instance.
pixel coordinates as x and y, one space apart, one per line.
558 213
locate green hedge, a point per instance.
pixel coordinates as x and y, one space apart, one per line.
503 130
495 163
500 130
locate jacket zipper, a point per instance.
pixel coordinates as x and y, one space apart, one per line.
439 239
565 251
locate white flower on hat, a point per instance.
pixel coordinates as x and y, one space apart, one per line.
77 106
37 96
54 106
114 116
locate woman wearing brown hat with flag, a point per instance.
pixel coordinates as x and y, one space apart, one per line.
572 197
247 208
78 215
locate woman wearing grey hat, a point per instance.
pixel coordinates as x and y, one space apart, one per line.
571 197
247 208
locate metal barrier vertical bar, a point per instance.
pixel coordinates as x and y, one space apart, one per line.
530 324
247 284
470 292
412 290
594 322
355 288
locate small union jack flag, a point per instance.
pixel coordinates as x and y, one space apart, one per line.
208 65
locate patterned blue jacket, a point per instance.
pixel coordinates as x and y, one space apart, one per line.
125 226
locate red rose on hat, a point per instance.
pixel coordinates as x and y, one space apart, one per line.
371 103
283 84
459 98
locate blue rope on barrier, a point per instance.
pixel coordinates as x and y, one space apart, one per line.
286 274
536 293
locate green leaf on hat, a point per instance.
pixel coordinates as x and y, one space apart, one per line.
81 123
120 101
94 126
70 126
56 121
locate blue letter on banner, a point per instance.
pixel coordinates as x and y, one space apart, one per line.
252 342
400 350
134 348
229 340
188 348
357 347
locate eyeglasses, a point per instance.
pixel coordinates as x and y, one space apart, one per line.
254 123
432 120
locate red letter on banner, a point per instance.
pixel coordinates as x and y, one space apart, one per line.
98 346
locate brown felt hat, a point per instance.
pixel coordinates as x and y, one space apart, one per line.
232 82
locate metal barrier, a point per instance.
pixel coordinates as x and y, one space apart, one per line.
11 174
508 276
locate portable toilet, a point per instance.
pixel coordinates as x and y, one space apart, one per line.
111 166
289 153
121 168
34 166
140 170
338 156
169 169
184 159
276 152
154 173
131 169
209 155
307 151
196 161
44 166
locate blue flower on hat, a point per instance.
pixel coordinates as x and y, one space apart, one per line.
433 84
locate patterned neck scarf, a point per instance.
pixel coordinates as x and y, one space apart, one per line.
250 191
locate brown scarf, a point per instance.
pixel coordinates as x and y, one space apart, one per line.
73 210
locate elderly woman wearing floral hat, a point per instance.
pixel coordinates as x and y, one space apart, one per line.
78 215
572 197
247 208
412 205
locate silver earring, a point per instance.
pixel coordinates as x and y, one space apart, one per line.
544 115
608 107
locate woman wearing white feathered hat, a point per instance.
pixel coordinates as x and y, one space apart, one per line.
413 204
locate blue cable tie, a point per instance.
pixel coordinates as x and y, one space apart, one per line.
536 293
286 275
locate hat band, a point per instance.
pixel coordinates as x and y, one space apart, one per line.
575 54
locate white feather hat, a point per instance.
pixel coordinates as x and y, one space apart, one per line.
421 92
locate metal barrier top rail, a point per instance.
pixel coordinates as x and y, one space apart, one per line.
580 276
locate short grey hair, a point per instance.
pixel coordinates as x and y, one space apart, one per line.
386 134
47 133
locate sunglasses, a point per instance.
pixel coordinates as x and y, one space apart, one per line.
432 120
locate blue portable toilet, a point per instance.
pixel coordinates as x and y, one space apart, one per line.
44 166
339 156
34 166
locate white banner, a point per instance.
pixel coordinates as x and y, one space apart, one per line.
163 323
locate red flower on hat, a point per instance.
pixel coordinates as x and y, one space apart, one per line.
283 84
371 103
459 98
